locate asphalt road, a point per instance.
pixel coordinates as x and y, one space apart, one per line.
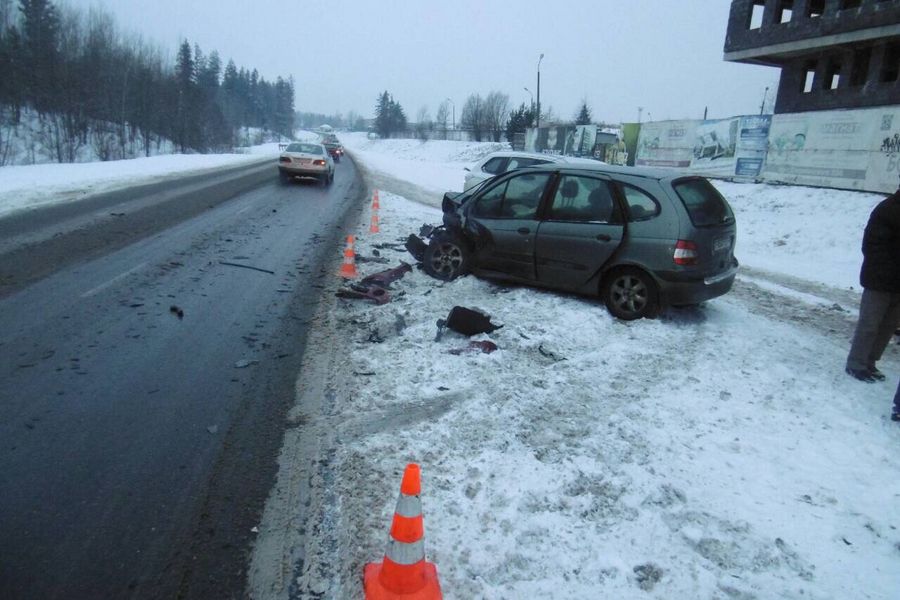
144 381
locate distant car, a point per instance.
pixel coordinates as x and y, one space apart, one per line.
638 238
306 159
334 147
501 162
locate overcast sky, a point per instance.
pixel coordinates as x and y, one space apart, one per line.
662 55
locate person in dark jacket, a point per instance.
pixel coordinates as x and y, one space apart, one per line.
879 309
895 412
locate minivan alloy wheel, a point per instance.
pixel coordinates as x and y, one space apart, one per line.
630 294
446 258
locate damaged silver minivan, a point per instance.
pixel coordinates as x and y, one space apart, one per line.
640 239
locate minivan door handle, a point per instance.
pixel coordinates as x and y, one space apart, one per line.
523 230
604 238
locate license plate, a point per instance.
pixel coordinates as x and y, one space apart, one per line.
721 244
305 161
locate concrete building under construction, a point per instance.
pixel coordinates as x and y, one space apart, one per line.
833 54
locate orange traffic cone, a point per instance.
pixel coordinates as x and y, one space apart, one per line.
375 203
373 228
348 269
404 574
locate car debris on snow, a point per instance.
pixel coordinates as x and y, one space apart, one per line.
467 321
356 291
375 286
233 264
483 346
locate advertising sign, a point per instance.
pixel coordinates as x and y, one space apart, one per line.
715 143
883 172
827 148
666 144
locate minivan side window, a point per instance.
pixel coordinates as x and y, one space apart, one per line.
582 199
494 166
641 205
515 198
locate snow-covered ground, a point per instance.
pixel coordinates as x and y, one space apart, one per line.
718 452
34 186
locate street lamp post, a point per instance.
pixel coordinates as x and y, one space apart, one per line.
453 106
538 117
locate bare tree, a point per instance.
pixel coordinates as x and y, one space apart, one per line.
423 123
495 113
443 115
472 117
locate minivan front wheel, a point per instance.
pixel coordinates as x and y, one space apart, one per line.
446 257
630 294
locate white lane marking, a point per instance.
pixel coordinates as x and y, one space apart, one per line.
243 210
103 286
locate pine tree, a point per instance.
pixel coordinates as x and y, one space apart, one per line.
40 27
519 120
584 114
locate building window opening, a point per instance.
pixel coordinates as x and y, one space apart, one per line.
833 75
809 75
784 11
756 14
890 68
815 8
861 60
850 4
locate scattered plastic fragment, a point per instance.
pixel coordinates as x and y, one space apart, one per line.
483 346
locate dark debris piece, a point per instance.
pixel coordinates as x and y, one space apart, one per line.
484 346
178 312
387 277
356 291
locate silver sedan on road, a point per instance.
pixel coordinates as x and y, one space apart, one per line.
306 159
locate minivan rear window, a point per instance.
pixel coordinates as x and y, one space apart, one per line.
704 203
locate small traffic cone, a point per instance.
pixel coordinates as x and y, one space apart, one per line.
348 269
404 574
373 228
375 203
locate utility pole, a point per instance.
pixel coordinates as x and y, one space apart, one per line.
640 110
538 117
762 105
453 106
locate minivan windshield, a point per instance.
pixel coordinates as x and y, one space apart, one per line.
704 203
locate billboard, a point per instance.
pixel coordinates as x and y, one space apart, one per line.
719 147
731 147
666 144
849 149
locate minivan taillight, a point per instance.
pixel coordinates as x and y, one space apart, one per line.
284 159
319 163
685 253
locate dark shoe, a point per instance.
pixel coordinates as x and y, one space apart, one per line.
861 374
878 375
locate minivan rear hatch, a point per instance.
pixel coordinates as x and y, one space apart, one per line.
714 228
